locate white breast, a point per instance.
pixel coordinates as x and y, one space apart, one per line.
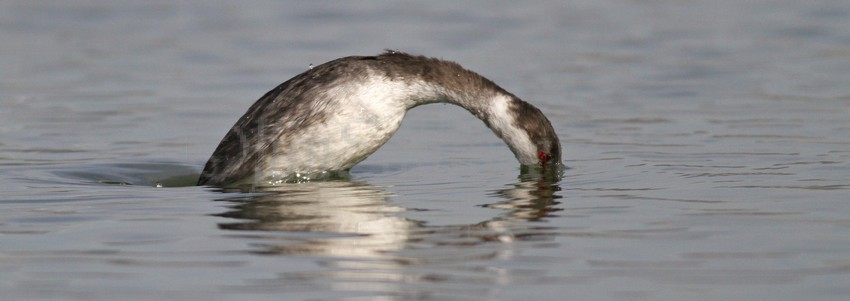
363 117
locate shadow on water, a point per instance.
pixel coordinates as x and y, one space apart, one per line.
157 174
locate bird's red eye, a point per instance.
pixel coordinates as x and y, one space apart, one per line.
544 157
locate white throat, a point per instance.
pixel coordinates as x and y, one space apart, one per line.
503 122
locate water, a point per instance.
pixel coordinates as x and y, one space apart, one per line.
708 144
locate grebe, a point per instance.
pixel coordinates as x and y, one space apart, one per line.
336 114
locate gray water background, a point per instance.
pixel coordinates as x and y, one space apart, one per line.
708 145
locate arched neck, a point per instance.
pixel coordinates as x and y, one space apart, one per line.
428 80
526 131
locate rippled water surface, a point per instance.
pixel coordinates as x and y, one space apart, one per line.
708 145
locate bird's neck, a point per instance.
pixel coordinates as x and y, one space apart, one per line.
498 109
426 80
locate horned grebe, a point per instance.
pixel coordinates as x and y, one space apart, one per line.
336 114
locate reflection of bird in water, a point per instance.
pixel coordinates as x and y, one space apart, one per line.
359 237
529 200
359 212
334 115
369 224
